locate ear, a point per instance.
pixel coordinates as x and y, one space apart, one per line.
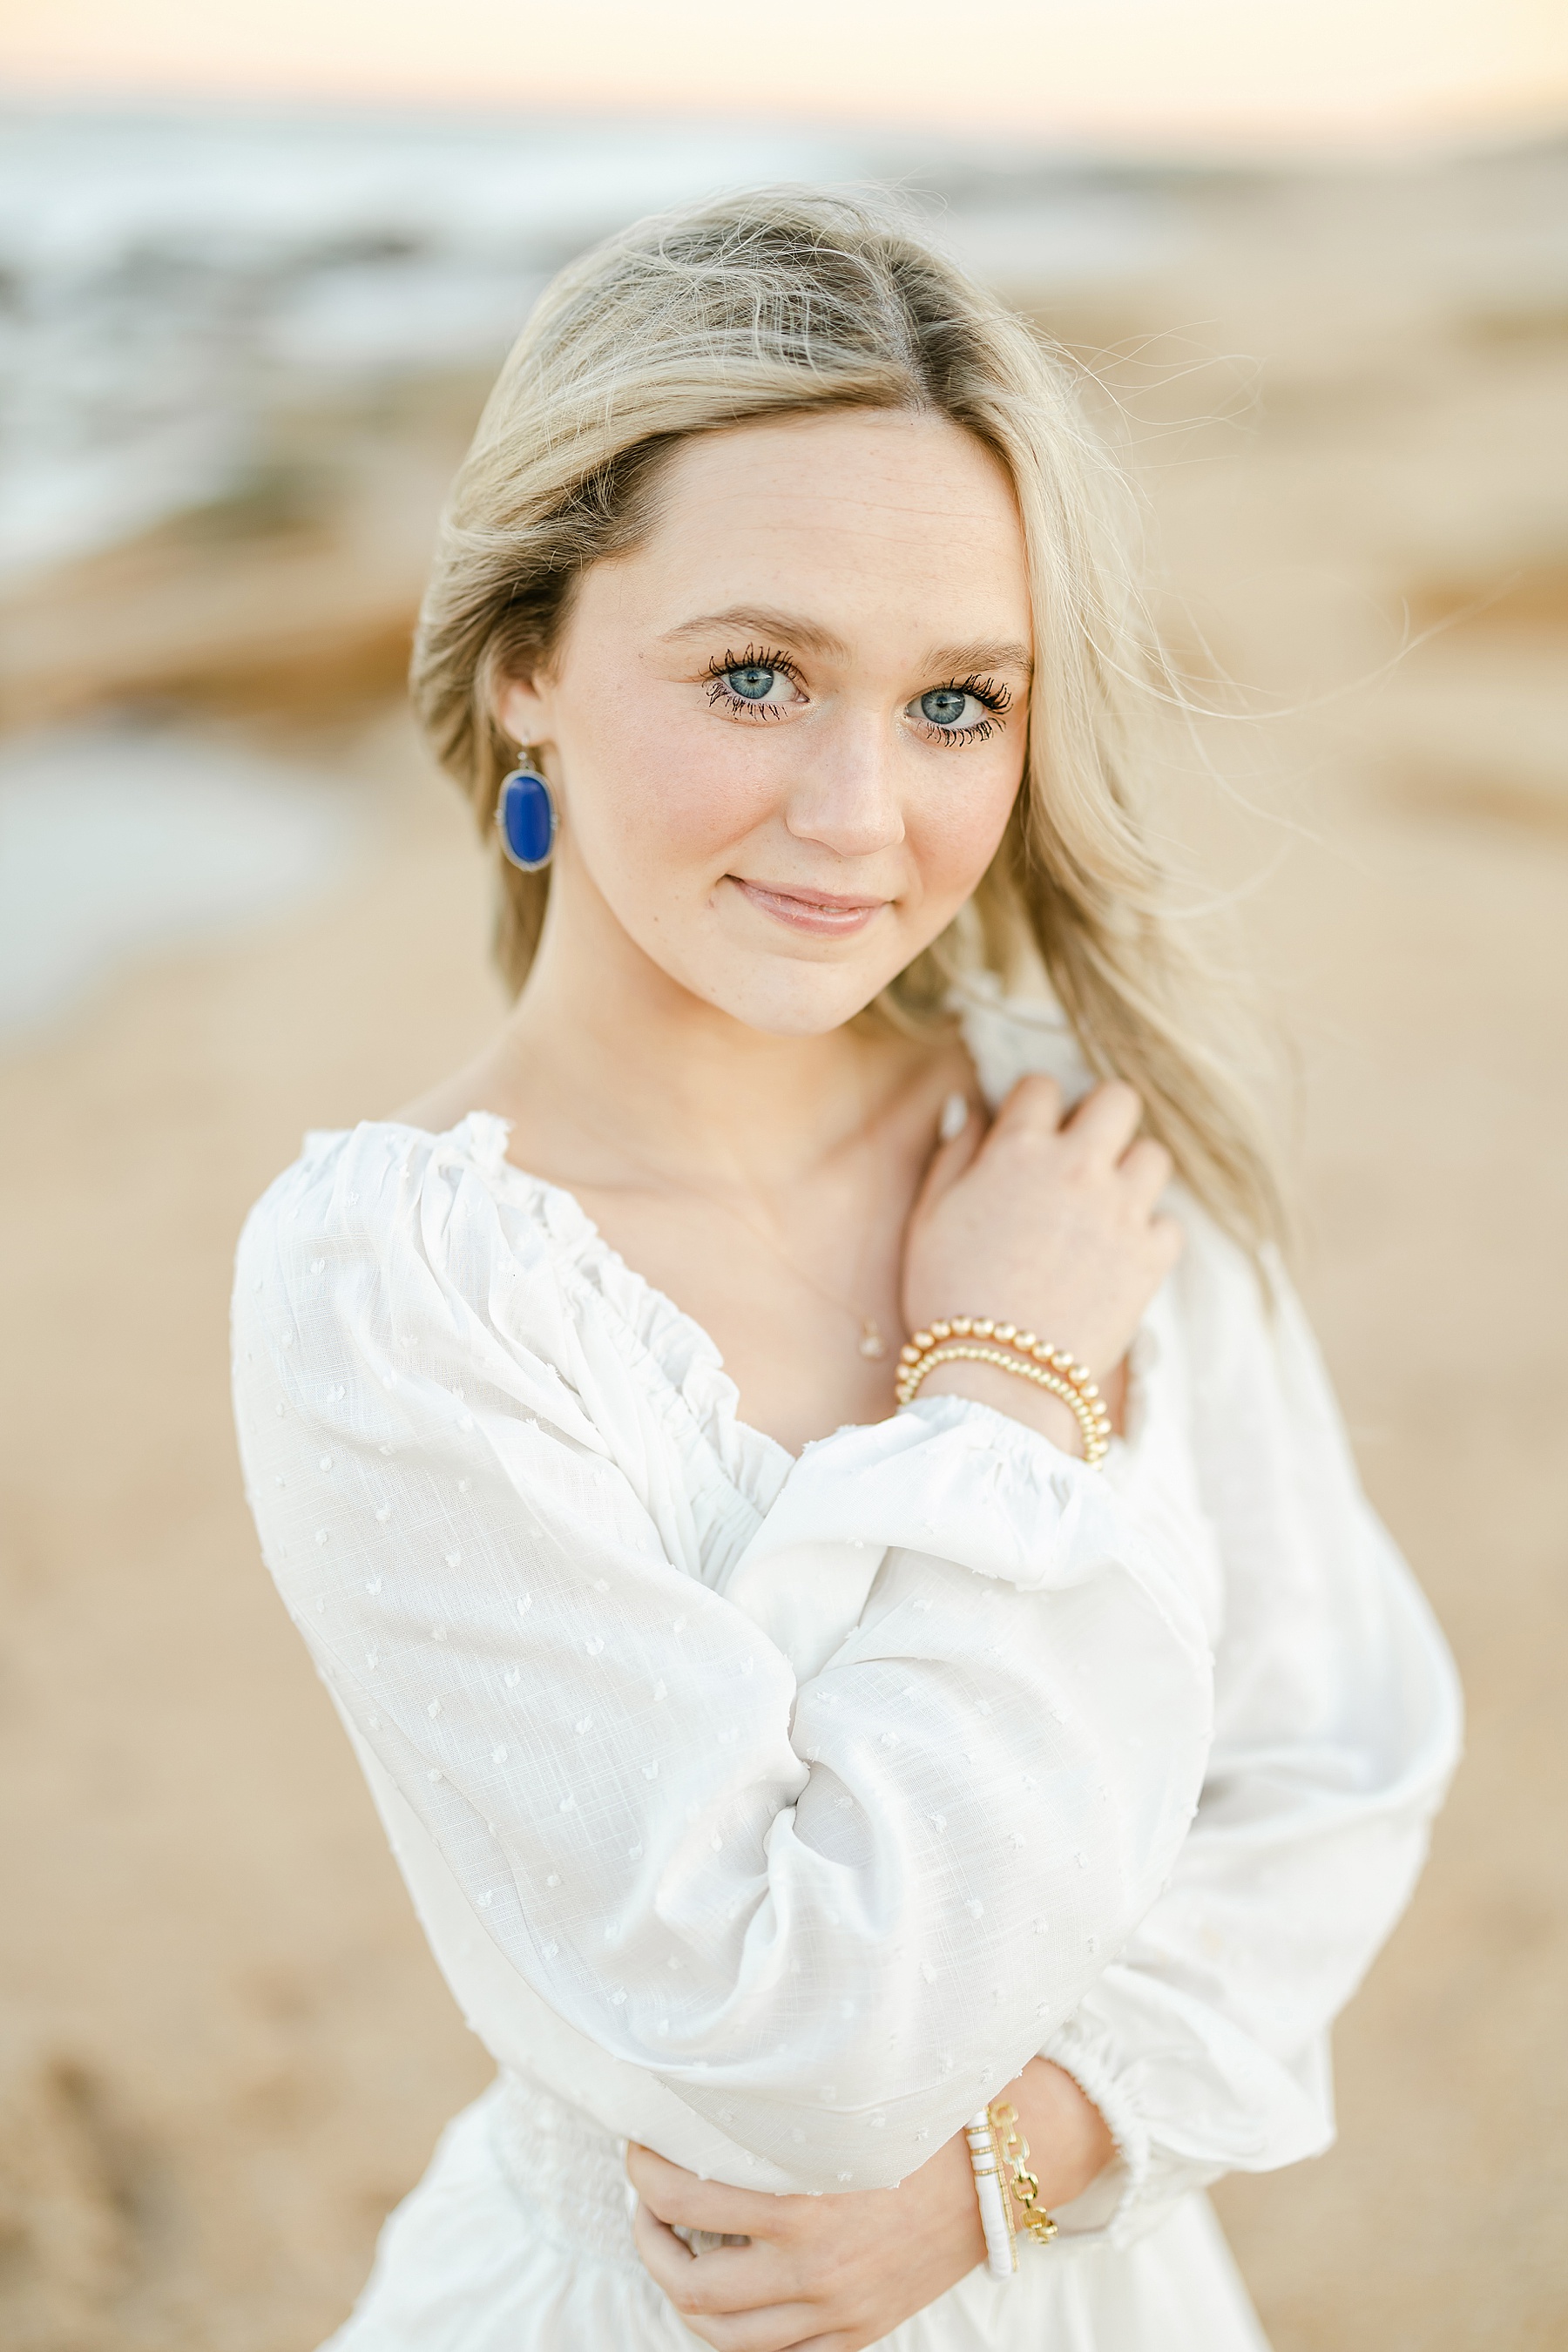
523 710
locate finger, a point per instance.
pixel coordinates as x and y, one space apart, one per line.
763 2325
1106 1122
664 2256
726 2279
1032 1107
784 2327
763 2319
1147 1167
957 1144
676 2195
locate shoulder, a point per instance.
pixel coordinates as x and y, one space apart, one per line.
389 1235
1225 1298
388 1183
369 1190
1254 1365
1238 1330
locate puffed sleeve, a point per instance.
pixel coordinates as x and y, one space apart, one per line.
793 1891
1337 1716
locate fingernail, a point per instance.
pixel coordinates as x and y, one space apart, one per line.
954 1117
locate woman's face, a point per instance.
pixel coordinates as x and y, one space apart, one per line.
786 733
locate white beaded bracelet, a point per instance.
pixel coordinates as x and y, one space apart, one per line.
996 2220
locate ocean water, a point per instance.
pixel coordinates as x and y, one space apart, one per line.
116 841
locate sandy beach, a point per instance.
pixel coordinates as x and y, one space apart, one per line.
224 2050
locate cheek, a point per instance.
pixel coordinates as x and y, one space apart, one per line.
662 786
953 831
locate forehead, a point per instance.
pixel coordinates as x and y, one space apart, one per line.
908 510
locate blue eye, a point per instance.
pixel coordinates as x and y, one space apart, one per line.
943 706
761 684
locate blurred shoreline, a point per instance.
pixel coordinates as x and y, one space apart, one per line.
176 282
276 335
243 356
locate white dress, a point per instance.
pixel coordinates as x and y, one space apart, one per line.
773 1811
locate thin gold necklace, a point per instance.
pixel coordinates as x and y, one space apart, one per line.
871 1343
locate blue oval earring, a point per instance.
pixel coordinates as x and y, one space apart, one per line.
525 815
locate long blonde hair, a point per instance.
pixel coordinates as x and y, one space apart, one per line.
787 300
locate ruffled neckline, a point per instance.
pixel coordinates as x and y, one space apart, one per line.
684 1354
1005 1037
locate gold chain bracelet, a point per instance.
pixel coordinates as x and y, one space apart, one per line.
977 1339
1023 2186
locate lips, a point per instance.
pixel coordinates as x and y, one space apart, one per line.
823 913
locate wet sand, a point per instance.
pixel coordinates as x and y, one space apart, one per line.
223 2051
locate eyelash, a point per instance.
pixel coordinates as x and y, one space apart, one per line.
995 698
720 695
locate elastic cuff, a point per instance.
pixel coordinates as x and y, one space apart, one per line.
988 1421
1108 2205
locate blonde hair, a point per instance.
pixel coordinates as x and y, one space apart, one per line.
786 300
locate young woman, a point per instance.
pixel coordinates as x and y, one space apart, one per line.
798 1741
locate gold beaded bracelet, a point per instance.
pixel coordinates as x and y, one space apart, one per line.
976 1339
1023 2186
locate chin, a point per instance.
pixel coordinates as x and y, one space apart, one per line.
801 1005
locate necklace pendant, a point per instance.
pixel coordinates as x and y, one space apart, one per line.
872 1343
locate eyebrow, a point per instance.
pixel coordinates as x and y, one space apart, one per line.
985 654
966 660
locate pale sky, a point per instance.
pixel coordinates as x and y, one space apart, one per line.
1236 71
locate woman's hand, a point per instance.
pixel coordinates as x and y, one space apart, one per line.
1049 1224
834 2274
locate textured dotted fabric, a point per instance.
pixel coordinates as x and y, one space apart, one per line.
777 1811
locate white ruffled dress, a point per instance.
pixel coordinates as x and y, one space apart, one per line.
774 1812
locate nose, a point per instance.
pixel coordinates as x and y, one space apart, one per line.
845 795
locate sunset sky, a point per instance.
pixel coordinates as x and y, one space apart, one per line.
1236 71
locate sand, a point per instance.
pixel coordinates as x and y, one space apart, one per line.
224 2050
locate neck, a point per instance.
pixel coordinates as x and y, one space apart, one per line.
661 1082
